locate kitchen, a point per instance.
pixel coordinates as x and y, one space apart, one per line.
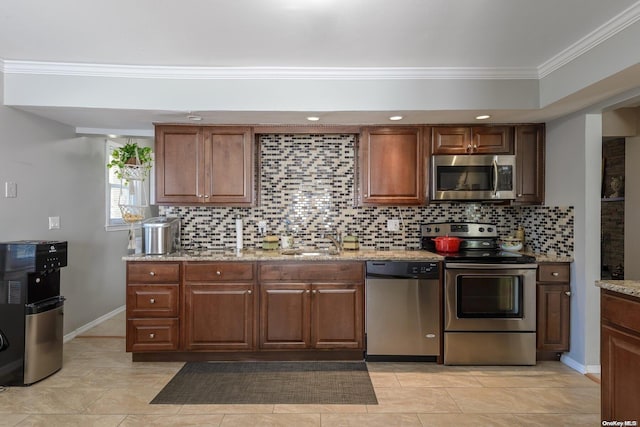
45 149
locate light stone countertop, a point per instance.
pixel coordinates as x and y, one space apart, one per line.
627 287
276 255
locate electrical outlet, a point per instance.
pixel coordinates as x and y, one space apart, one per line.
393 225
54 223
262 227
10 189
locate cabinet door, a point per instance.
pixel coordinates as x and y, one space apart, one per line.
492 140
285 316
553 317
180 164
391 162
337 316
451 140
148 335
219 316
620 358
229 172
529 147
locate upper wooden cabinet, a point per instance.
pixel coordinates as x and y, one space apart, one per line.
391 166
209 164
529 146
472 140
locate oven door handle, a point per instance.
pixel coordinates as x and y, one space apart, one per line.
476 266
495 177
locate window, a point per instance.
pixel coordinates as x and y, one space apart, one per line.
114 219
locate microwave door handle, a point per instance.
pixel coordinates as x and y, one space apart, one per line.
495 177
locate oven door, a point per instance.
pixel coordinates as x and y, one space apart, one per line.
490 297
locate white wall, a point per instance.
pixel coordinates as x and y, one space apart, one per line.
573 161
59 174
631 209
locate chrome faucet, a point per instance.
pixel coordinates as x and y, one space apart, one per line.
337 241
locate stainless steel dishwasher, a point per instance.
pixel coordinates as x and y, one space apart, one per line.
402 309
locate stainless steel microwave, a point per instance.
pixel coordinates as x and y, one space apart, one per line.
473 177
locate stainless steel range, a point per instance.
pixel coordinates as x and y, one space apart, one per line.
489 298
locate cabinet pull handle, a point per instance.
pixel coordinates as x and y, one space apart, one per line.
219 273
568 293
152 273
152 335
555 274
152 300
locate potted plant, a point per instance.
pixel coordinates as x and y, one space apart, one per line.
131 161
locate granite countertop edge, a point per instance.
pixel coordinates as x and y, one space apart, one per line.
627 287
346 255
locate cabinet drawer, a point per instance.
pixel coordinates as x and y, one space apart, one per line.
554 272
152 334
623 311
152 301
219 271
313 272
153 272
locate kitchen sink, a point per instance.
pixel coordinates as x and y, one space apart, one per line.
309 252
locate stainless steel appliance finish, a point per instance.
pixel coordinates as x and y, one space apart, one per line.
402 309
490 314
31 310
161 235
489 298
473 177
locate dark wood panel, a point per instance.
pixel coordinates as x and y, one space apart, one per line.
553 317
152 301
347 271
492 139
153 272
451 140
219 271
284 316
337 316
219 317
621 310
554 272
152 335
530 164
230 159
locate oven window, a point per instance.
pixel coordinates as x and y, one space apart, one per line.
464 178
489 296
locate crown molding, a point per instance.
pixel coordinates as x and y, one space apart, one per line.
261 73
626 18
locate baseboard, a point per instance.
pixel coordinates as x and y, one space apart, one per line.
71 335
583 369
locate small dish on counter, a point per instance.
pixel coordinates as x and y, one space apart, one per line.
512 244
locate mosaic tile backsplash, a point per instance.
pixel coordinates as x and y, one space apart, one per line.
307 189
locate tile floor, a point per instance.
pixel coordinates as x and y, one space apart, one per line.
100 386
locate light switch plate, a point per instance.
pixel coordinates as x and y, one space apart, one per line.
10 189
54 223
393 225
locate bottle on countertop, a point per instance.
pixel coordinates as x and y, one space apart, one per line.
520 234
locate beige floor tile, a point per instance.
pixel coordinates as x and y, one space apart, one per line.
226 409
271 420
172 420
467 420
384 379
437 379
114 378
115 326
130 401
37 399
529 381
370 420
412 400
527 400
11 419
565 420
299 409
49 420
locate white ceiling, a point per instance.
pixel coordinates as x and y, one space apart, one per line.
521 38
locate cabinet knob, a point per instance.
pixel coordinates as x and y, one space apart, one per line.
568 293
366 195
308 291
468 148
219 273
555 274
249 292
152 335
315 292
519 194
152 300
206 196
199 195
475 147
152 273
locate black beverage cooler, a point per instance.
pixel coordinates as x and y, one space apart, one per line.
31 310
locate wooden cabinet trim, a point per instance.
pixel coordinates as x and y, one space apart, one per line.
152 301
345 271
219 271
146 335
152 272
554 272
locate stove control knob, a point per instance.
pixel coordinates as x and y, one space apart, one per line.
428 229
437 230
481 229
490 229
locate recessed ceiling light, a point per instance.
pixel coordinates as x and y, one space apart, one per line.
194 118
482 117
396 118
313 118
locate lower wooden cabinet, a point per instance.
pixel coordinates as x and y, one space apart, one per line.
553 308
219 307
619 356
146 335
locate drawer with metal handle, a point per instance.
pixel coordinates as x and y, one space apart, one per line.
152 335
554 272
152 301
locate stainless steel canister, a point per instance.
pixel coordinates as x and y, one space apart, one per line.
161 235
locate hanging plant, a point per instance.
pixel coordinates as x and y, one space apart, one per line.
131 161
